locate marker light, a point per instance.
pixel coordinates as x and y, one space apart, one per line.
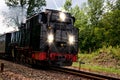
71 39
62 16
50 38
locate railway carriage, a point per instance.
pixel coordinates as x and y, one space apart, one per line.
4 42
46 38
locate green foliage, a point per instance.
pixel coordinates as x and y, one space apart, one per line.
97 68
100 29
117 6
95 11
111 24
88 21
33 6
20 9
106 59
80 16
115 51
91 34
67 5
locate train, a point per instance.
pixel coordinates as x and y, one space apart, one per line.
46 38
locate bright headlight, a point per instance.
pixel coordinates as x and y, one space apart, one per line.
50 38
71 39
62 16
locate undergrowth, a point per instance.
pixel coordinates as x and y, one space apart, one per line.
106 59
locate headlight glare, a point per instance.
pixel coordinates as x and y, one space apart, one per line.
50 38
71 39
62 16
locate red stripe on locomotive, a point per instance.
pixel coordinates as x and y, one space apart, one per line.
39 56
67 56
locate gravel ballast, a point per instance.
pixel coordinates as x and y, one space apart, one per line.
13 71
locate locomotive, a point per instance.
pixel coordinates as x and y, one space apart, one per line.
47 38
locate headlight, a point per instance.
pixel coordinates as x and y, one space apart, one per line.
62 16
50 38
71 39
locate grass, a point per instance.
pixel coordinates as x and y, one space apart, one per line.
97 68
86 57
115 51
108 54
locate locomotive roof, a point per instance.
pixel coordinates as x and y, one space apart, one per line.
46 11
4 34
52 10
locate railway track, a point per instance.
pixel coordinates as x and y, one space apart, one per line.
84 74
13 71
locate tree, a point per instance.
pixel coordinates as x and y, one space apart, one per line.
20 9
80 16
100 27
95 11
98 24
111 24
11 19
81 23
92 36
32 6
117 6
109 5
67 5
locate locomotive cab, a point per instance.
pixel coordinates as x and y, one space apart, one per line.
61 38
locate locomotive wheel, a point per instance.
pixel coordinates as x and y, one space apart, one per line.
34 63
22 59
15 57
13 54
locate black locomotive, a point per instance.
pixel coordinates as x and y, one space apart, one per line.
46 38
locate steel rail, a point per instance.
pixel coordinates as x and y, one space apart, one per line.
84 74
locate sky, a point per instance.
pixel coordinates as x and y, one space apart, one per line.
51 4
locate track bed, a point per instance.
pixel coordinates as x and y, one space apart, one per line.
13 71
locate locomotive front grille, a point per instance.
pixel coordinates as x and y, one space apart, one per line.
59 58
61 36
